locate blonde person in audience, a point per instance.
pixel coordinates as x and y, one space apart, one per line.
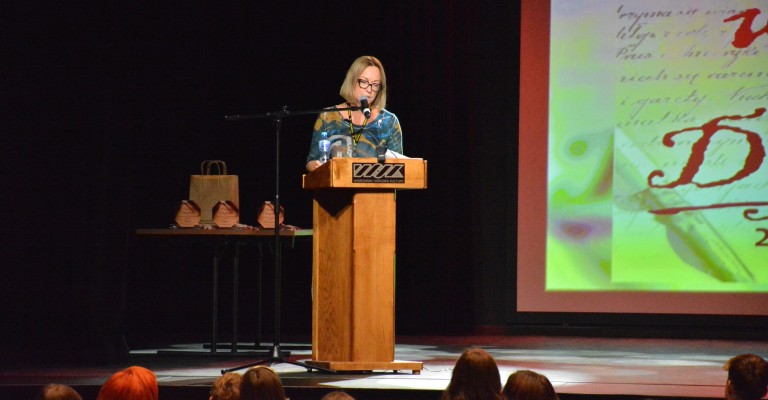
226 387
337 395
528 385
57 391
132 383
261 383
747 377
475 377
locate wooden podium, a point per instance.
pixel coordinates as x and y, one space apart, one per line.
353 263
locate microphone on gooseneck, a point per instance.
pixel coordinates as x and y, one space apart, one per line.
364 106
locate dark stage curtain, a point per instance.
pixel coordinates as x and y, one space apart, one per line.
112 107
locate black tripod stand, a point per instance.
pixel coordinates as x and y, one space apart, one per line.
276 354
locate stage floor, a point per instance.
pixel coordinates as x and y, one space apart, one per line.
578 368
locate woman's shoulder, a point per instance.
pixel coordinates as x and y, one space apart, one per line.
385 114
332 113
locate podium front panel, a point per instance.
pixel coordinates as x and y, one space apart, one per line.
353 264
353 275
332 275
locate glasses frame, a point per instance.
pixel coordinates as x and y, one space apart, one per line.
364 84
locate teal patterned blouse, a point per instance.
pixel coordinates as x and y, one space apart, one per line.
382 130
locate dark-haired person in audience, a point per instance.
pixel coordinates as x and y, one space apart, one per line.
261 383
226 387
747 377
57 391
475 377
528 385
132 383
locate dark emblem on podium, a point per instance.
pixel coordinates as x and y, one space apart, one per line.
378 173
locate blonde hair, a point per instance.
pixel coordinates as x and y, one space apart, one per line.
337 395
353 74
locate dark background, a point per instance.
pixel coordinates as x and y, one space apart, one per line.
108 108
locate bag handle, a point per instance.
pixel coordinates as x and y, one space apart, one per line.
205 167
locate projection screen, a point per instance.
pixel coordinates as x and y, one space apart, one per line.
643 180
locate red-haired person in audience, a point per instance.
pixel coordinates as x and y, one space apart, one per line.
528 385
261 383
747 377
226 387
475 377
57 391
132 383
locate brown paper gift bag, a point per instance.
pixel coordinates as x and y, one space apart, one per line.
212 186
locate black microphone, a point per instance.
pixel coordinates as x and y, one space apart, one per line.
381 152
364 106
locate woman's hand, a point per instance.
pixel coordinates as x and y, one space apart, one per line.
312 165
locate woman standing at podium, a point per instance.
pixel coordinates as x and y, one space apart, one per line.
365 129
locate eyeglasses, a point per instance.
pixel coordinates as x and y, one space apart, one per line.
364 84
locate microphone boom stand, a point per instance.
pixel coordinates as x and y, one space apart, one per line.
276 355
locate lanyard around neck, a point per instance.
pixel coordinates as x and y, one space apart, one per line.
355 135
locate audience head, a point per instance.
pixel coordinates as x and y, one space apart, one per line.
475 377
56 391
337 395
132 383
226 387
747 377
528 385
261 383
